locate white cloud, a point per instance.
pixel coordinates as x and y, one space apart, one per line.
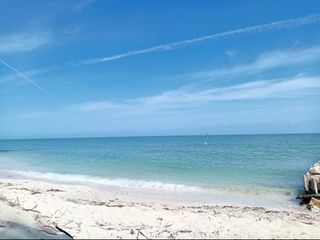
94 106
181 98
264 62
251 90
230 53
80 5
23 42
289 23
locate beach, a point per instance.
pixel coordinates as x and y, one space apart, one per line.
159 120
157 187
89 212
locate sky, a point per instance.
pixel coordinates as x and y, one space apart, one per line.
95 68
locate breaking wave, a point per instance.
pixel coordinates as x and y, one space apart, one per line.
116 182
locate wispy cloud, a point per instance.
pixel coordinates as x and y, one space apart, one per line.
251 90
94 106
80 5
23 42
21 74
230 53
279 88
264 62
289 23
31 73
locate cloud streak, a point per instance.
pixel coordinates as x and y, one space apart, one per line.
79 6
289 23
21 74
23 42
252 90
31 73
182 99
264 62
94 106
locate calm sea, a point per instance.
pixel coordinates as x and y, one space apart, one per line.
243 163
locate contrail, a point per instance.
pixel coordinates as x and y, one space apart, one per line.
22 75
289 23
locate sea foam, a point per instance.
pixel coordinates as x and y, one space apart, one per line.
116 182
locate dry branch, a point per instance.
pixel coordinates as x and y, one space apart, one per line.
63 231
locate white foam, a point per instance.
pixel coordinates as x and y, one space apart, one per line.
117 182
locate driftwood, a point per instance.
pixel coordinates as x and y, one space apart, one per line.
308 196
142 234
31 209
54 190
63 231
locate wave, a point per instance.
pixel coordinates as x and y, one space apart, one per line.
144 184
117 182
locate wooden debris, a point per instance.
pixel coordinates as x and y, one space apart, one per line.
308 196
54 190
31 209
63 231
142 234
184 231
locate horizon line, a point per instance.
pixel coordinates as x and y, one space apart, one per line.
173 135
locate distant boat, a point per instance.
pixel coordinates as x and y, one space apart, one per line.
206 139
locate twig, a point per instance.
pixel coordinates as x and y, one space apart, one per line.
185 231
115 205
35 192
54 190
31 209
65 232
139 232
102 226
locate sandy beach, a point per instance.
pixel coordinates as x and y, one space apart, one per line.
159 120
56 210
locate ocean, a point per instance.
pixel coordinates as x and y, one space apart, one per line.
192 167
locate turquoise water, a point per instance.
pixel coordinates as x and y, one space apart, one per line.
173 163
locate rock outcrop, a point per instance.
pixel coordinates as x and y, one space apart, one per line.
312 179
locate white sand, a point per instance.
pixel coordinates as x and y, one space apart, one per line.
17 223
86 212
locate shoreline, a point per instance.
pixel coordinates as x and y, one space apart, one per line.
272 198
89 212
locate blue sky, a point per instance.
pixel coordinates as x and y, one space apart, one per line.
124 68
